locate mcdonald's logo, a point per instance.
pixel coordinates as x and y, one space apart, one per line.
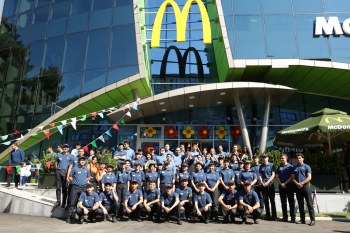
339 119
181 21
182 61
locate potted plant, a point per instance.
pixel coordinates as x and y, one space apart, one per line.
47 178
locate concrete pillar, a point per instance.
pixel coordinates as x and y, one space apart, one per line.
135 94
242 124
265 123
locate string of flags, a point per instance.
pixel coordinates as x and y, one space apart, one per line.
73 122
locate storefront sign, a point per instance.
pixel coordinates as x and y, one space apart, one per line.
332 26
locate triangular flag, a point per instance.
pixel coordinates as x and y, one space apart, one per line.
101 114
16 131
52 125
18 169
64 122
29 130
41 127
20 137
101 138
6 143
48 165
83 118
113 148
60 128
115 126
108 133
34 134
74 123
134 106
127 105
47 133
38 166
94 144
86 148
8 169
122 121
122 108
93 114
0 168
128 114
4 137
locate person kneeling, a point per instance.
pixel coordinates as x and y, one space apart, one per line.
229 202
249 203
151 201
202 203
133 201
170 203
88 204
109 203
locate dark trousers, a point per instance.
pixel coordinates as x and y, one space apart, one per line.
173 211
188 209
74 196
240 188
155 209
215 204
302 193
348 173
135 213
242 211
205 214
268 193
121 191
287 194
258 189
13 172
61 185
227 213
91 215
111 209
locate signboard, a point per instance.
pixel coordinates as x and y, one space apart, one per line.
332 26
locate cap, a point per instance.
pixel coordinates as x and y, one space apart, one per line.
247 182
81 158
184 165
240 161
265 155
231 182
102 162
108 183
133 182
65 145
247 161
137 164
110 165
168 186
88 185
166 163
221 157
184 179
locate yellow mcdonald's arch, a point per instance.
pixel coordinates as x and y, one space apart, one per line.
339 119
181 19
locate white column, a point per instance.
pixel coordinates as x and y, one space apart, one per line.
242 124
265 123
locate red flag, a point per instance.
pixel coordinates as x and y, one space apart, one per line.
16 131
86 148
8 169
47 133
93 114
48 165
52 125
115 127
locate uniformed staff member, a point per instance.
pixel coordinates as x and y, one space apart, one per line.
229 202
138 160
257 187
109 203
151 201
122 178
162 156
120 154
267 174
247 174
219 164
62 162
197 177
183 174
185 198
88 204
286 190
133 201
301 177
226 175
109 177
170 204
237 174
137 175
165 178
151 175
249 203
78 177
212 183
130 153
202 204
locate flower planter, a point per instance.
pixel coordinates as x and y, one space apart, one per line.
47 181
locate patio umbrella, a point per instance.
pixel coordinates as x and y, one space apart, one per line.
326 125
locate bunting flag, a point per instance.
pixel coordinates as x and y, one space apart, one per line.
122 108
101 114
93 114
93 143
34 134
0 168
16 131
52 125
38 166
8 169
108 133
86 149
29 130
115 126
74 123
83 118
134 106
48 165
19 138
47 133
64 122
113 148
41 127
122 121
101 138
18 169
128 114
128 106
4 137
60 127
6 143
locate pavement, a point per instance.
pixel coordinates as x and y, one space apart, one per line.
23 223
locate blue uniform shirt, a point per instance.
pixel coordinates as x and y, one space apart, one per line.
79 175
87 200
247 175
266 171
284 172
218 169
169 200
63 161
160 158
237 174
75 161
226 175
151 176
250 199
151 196
120 154
212 178
109 177
256 168
183 175
138 176
166 176
169 152
16 156
140 161
177 159
300 172
130 154
230 198
184 193
122 177
223 154
198 176
233 166
133 198
202 199
107 199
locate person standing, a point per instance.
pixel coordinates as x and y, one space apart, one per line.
109 177
247 174
133 201
221 152
162 156
183 174
75 151
50 151
196 177
237 174
165 178
88 204
229 202
185 198
347 161
301 177
167 150
130 153
109 203
151 175
16 157
151 201
249 203
284 178
92 166
212 183
170 204
202 204
137 175
177 158
120 154
257 187
122 178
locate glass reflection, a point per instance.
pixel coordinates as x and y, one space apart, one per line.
74 51
97 47
27 94
47 93
9 100
92 81
53 53
58 18
33 59
68 89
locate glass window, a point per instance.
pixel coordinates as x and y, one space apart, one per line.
227 7
27 94
117 74
336 6
101 4
6 125
58 18
310 46
92 81
39 118
39 20
68 89
249 31
4 59
15 67
79 15
10 8
309 6
340 46
25 5
100 18
280 37
43 2
23 24
53 52
6 33
277 6
74 51
9 100
47 93
123 14
97 47
33 59
247 7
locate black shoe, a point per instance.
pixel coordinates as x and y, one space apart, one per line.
179 222
225 221
7 186
63 206
285 220
139 220
267 218
114 219
157 220
187 219
301 222
233 220
104 218
81 220
217 220
244 222
150 217
312 223
58 203
68 220
256 221
167 219
274 219
206 221
292 221
92 220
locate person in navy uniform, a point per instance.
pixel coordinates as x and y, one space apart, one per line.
120 154
249 203
122 179
301 177
165 177
221 152
219 164
151 175
78 178
267 174
130 153
109 177
226 175
229 202
133 201
138 160
167 150
88 204
211 184
237 174
151 201
16 157
183 174
109 203
137 175
247 174
286 190
185 197
170 204
62 163
196 177
257 187
202 204
162 156
177 158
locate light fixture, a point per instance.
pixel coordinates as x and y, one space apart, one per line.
219 102
161 103
163 110
192 97
223 93
191 105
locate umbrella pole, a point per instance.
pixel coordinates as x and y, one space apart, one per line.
329 143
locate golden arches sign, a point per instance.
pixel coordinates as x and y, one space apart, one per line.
181 21
339 119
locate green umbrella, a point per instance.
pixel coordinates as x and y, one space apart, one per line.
326 125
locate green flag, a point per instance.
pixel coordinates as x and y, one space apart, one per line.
94 144
122 121
83 118
4 137
34 134
18 169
